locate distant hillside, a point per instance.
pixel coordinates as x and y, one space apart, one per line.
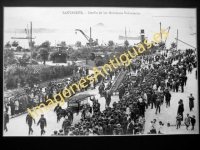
36 30
100 25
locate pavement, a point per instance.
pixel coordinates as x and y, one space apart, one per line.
18 127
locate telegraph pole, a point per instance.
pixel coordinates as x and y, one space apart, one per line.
177 41
31 40
160 32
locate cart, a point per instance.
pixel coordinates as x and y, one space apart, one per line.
77 102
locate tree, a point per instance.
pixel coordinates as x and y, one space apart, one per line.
92 56
95 43
8 45
33 44
85 53
173 45
78 44
126 43
46 45
110 43
9 57
34 54
15 43
63 44
44 53
74 55
19 48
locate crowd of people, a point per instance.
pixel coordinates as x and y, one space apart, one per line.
151 86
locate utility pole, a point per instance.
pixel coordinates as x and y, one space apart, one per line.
89 43
177 40
29 37
31 40
160 32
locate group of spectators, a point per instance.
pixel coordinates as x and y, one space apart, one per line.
127 116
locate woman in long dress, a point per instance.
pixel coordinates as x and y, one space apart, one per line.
191 102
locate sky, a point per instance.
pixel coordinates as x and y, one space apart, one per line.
61 27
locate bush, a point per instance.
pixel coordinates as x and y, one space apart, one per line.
34 54
34 62
35 73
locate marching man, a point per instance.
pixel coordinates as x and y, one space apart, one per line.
43 123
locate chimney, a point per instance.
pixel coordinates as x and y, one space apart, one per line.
142 35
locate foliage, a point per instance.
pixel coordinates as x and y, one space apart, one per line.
33 43
110 43
9 57
100 61
38 57
75 55
46 45
15 43
34 54
19 49
58 57
173 45
44 53
8 45
63 44
126 43
35 73
78 44
92 56
34 62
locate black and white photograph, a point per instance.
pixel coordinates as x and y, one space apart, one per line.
99 71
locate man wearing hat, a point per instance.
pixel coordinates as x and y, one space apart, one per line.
66 124
6 120
180 108
193 121
167 97
43 123
130 127
29 121
108 97
191 102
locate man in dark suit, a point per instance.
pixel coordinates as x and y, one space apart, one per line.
6 120
167 97
130 127
43 123
181 108
108 97
158 103
153 100
29 121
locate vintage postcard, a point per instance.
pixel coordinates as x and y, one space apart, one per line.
100 71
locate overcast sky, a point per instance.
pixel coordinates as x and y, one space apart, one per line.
145 18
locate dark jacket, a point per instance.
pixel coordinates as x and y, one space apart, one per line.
29 119
66 124
42 122
130 128
168 96
180 108
193 121
6 118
